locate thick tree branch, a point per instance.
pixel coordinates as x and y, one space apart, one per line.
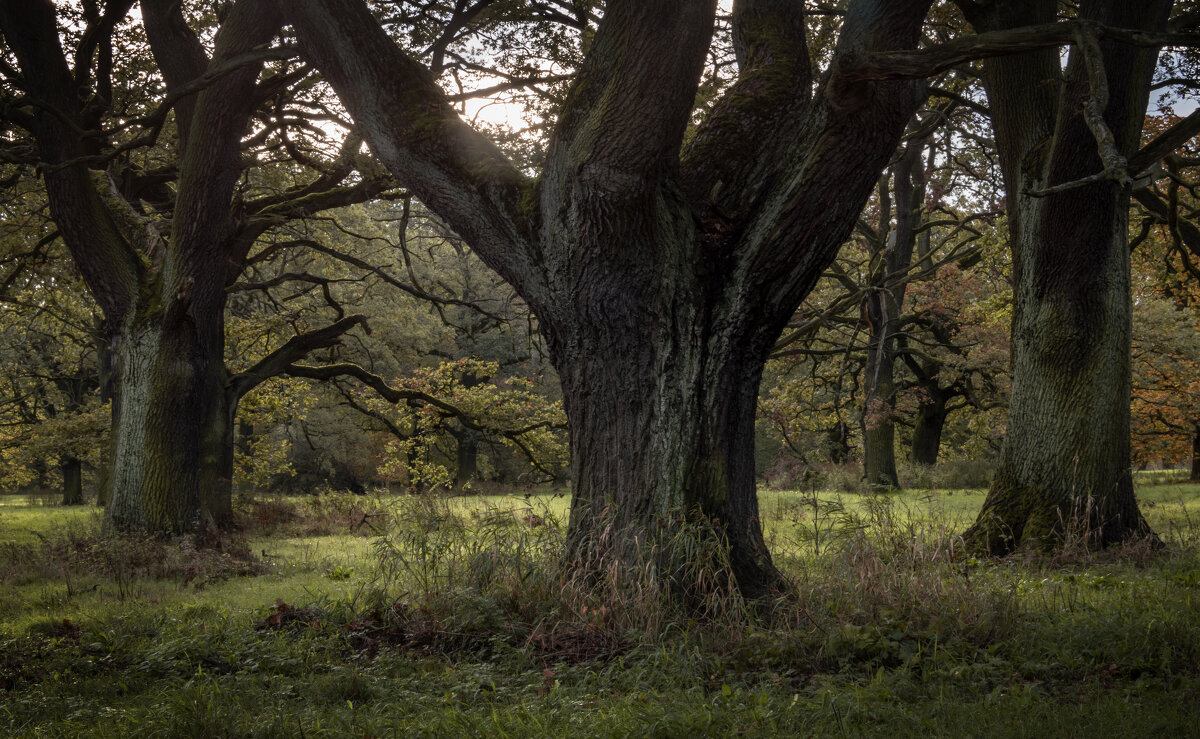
1115 165
202 239
1165 143
737 150
375 382
404 116
623 121
899 65
853 127
178 53
296 348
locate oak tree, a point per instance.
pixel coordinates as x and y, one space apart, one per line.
661 270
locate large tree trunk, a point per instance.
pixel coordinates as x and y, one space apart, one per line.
72 473
1064 471
173 450
661 416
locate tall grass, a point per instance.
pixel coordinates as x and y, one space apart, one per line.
463 618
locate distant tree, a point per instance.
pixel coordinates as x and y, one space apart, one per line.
897 326
1166 382
1166 288
51 343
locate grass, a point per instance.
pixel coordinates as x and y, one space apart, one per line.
461 622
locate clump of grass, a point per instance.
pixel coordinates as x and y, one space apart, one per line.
316 515
81 554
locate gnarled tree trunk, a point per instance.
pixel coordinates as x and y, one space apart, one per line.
661 402
661 275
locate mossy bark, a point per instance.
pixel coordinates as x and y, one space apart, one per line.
661 416
173 450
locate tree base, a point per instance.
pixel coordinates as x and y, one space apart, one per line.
687 558
1026 517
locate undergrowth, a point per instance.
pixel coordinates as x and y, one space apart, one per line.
468 621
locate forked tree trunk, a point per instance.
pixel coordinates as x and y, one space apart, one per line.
72 473
661 274
1064 473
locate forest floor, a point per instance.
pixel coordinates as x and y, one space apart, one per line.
338 615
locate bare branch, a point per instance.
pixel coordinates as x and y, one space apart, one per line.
897 65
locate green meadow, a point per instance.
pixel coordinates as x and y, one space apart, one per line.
380 616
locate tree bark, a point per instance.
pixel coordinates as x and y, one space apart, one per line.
1195 476
1064 472
927 431
661 412
72 472
173 451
